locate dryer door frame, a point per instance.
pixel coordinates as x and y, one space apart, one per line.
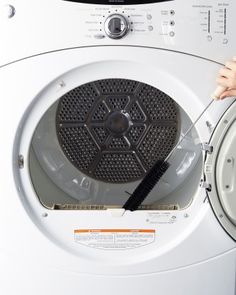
163 69
220 171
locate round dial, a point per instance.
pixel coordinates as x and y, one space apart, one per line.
116 26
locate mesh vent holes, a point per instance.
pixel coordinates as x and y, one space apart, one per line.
163 108
117 103
113 130
119 143
100 113
101 134
157 144
77 104
78 146
118 167
116 86
136 112
135 133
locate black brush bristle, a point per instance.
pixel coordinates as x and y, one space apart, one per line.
146 185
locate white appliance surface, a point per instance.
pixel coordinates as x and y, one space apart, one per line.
51 47
199 27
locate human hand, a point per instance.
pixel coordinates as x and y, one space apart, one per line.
227 78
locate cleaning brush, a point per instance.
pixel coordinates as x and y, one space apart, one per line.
146 185
161 166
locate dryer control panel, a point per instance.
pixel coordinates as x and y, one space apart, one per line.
210 22
199 27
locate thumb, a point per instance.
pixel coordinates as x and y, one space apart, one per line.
228 93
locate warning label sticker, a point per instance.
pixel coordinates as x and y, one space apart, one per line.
114 239
161 218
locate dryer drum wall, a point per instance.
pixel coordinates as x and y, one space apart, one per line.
107 132
114 130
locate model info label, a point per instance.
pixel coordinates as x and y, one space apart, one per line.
114 239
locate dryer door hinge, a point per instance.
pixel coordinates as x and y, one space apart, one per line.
205 185
207 148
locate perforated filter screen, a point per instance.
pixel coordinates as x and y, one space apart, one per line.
114 130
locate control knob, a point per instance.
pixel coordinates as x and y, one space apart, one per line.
116 26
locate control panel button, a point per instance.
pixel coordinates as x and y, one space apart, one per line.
8 10
116 26
99 36
209 38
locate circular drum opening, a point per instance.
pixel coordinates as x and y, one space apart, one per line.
94 145
115 130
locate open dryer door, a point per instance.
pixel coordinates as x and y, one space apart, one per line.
220 171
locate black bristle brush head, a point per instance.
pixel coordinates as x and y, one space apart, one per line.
146 185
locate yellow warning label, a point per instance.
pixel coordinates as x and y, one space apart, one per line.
114 239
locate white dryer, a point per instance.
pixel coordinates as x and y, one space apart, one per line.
93 93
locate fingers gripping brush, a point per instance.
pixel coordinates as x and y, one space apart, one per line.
161 166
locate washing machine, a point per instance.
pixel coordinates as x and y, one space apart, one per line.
93 94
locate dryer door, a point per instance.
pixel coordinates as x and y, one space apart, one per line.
220 171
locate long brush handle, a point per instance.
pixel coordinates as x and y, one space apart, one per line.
161 166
